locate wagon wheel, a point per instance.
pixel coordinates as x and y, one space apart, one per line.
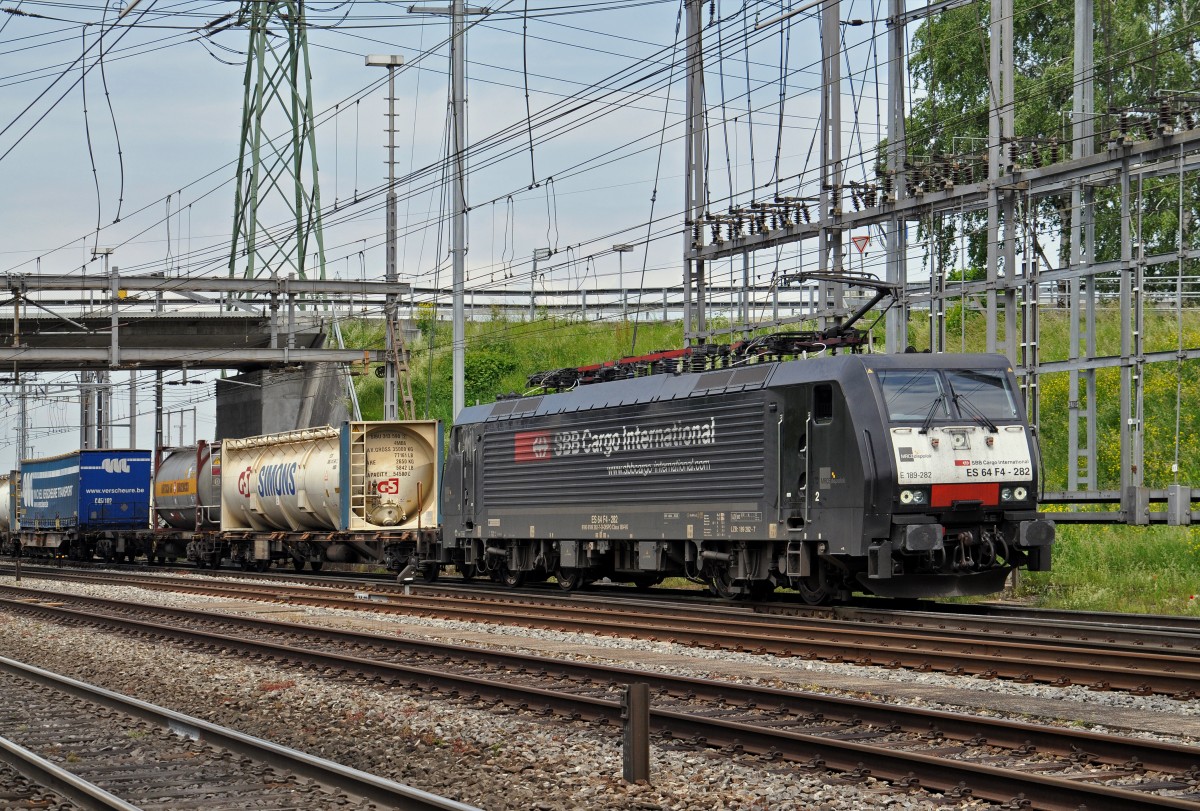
569 579
298 564
467 571
512 579
645 582
814 590
316 565
721 584
430 574
761 589
262 565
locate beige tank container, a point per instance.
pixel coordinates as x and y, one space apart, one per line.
363 476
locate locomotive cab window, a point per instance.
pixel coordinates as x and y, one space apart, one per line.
984 392
823 402
914 394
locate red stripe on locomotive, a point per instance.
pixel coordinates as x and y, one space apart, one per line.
944 495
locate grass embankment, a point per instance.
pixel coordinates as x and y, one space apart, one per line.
1143 570
1114 568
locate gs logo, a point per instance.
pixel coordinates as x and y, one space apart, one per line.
388 487
244 482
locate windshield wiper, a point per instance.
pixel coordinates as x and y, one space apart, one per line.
961 400
937 401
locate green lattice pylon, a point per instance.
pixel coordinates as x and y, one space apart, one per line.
277 210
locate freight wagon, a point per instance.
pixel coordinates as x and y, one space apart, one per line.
362 493
81 504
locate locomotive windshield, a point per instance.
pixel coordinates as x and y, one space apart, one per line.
987 392
914 394
931 394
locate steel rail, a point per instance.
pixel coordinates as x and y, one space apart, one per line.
59 780
888 762
1155 755
345 778
1061 662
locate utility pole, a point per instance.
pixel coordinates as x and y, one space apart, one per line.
390 408
96 396
22 422
831 161
695 198
458 180
1081 423
621 251
896 325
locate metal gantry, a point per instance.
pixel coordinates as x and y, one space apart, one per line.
1165 143
269 328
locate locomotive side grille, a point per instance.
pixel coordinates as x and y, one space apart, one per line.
675 450
526 404
749 375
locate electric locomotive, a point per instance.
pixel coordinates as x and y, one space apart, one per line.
912 475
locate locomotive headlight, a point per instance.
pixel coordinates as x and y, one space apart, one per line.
1013 494
906 496
918 496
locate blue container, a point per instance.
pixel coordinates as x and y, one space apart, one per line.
88 491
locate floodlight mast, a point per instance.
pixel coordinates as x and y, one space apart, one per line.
391 373
458 180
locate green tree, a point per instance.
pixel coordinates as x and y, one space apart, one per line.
1145 53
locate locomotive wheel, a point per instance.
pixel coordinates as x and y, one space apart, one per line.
512 579
568 579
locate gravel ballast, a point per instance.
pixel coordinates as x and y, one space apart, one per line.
502 759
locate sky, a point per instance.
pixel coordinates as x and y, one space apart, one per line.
137 151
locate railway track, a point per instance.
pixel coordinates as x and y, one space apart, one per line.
1023 765
101 750
1142 661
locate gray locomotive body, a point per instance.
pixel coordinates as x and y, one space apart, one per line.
874 473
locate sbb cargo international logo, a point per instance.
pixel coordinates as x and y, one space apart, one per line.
532 446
